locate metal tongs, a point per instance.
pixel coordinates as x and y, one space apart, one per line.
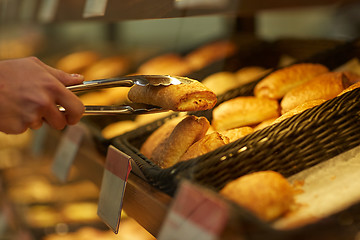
127 81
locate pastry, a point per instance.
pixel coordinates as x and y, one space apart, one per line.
209 53
325 86
117 128
106 68
267 194
264 124
237 133
350 88
278 83
299 109
249 74
206 144
220 82
243 111
166 64
158 136
186 132
193 96
77 62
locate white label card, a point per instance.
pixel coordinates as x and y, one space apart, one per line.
195 214
66 151
94 8
48 10
116 172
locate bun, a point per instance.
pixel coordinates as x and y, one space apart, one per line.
107 68
325 86
206 144
350 88
183 97
167 64
243 111
248 74
278 83
220 82
77 62
209 53
267 194
186 132
118 128
159 136
237 133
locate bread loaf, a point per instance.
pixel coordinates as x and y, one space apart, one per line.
237 133
325 86
243 111
183 97
278 83
267 194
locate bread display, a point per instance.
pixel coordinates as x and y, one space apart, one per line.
170 150
166 64
209 53
244 111
193 96
267 194
279 82
325 86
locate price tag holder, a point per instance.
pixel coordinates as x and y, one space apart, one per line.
195 214
47 10
94 8
209 4
66 151
116 172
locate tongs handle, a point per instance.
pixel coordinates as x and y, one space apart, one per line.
132 108
102 83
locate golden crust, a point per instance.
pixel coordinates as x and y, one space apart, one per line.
299 109
244 111
183 97
158 136
206 144
77 62
267 194
278 83
325 86
350 88
237 133
170 150
108 67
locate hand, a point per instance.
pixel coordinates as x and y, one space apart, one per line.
30 91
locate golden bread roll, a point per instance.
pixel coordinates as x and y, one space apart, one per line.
243 111
237 133
350 88
353 77
143 119
117 128
220 82
248 74
299 109
182 97
206 144
325 86
106 68
77 62
278 83
209 53
267 194
158 136
166 64
186 132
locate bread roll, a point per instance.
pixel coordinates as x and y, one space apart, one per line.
117 128
167 64
278 83
299 109
220 82
325 86
209 53
350 88
243 111
77 62
248 74
206 144
108 67
159 136
267 194
264 124
237 133
186 132
183 97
